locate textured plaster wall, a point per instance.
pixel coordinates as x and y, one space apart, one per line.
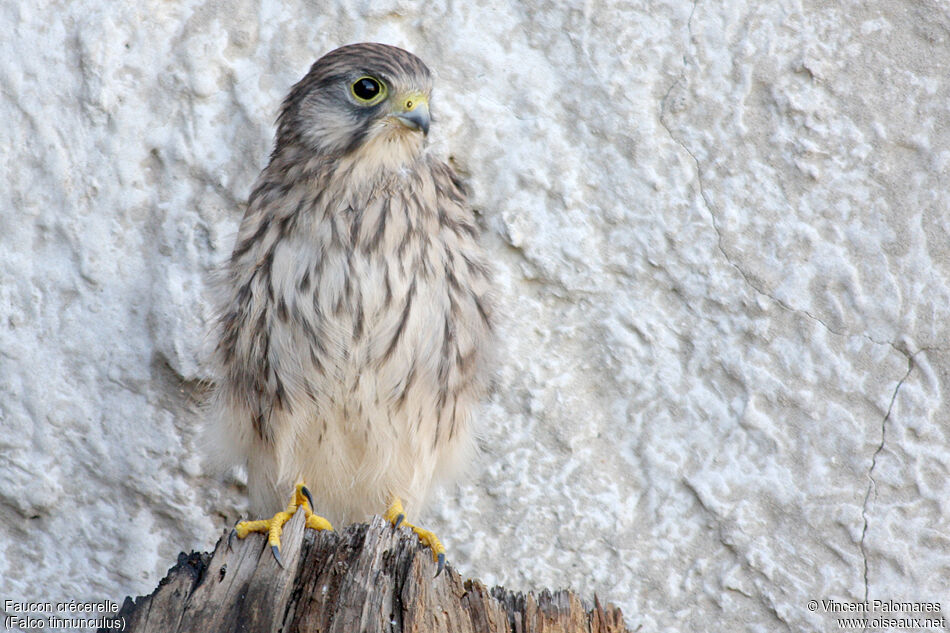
721 234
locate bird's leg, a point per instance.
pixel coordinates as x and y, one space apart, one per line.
396 515
274 526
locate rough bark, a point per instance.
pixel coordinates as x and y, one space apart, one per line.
364 578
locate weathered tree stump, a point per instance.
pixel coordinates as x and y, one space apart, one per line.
365 578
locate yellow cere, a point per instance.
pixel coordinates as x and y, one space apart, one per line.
412 100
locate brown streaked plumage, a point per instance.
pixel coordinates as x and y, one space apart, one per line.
356 310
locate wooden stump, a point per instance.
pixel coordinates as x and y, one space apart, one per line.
364 578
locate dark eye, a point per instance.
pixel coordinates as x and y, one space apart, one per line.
366 88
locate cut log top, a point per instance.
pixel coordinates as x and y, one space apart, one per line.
364 578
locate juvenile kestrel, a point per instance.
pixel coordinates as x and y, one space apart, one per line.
356 311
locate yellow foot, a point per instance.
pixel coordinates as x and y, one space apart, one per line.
396 515
274 526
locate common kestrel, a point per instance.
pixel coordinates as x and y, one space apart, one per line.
356 314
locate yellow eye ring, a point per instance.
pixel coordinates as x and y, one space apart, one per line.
368 90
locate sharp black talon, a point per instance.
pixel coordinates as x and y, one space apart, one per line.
231 537
276 551
441 558
306 493
399 520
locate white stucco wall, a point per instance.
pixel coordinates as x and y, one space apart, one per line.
722 241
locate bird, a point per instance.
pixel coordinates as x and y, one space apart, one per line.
355 323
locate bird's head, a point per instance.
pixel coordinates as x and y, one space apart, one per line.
360 98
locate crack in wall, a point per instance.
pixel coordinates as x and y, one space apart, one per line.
707 204
899 346
870 474
742 273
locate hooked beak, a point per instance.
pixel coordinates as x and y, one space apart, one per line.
414 113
